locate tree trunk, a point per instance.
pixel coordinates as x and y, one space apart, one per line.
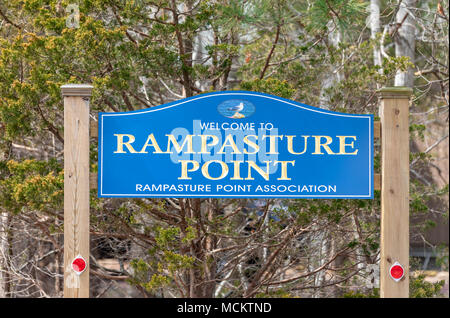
4 239
332 76
375 28
324 241
405 41
3 253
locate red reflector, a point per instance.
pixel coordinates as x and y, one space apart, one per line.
79 264
396 271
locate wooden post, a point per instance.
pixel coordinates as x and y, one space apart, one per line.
394 114
76 187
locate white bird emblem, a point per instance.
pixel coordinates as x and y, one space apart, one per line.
236 110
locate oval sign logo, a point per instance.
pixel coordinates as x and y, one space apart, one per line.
236 108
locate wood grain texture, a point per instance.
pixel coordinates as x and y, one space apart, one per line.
76 194
93 129
377 129
93 180
377 181
394 113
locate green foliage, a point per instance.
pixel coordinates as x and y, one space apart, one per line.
417 130
419 288
156 281
343 13
280 293
167 264
373 293
270 86
165 237
442 257
31 184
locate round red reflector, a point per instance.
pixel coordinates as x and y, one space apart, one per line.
79 265
396 271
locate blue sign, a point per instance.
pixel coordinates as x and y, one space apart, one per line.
235 144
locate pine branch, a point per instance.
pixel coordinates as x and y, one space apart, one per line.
277 35
9 21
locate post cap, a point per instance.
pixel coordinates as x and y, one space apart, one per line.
84 90
395 92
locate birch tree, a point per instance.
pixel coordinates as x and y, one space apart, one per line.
404 34
374 24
